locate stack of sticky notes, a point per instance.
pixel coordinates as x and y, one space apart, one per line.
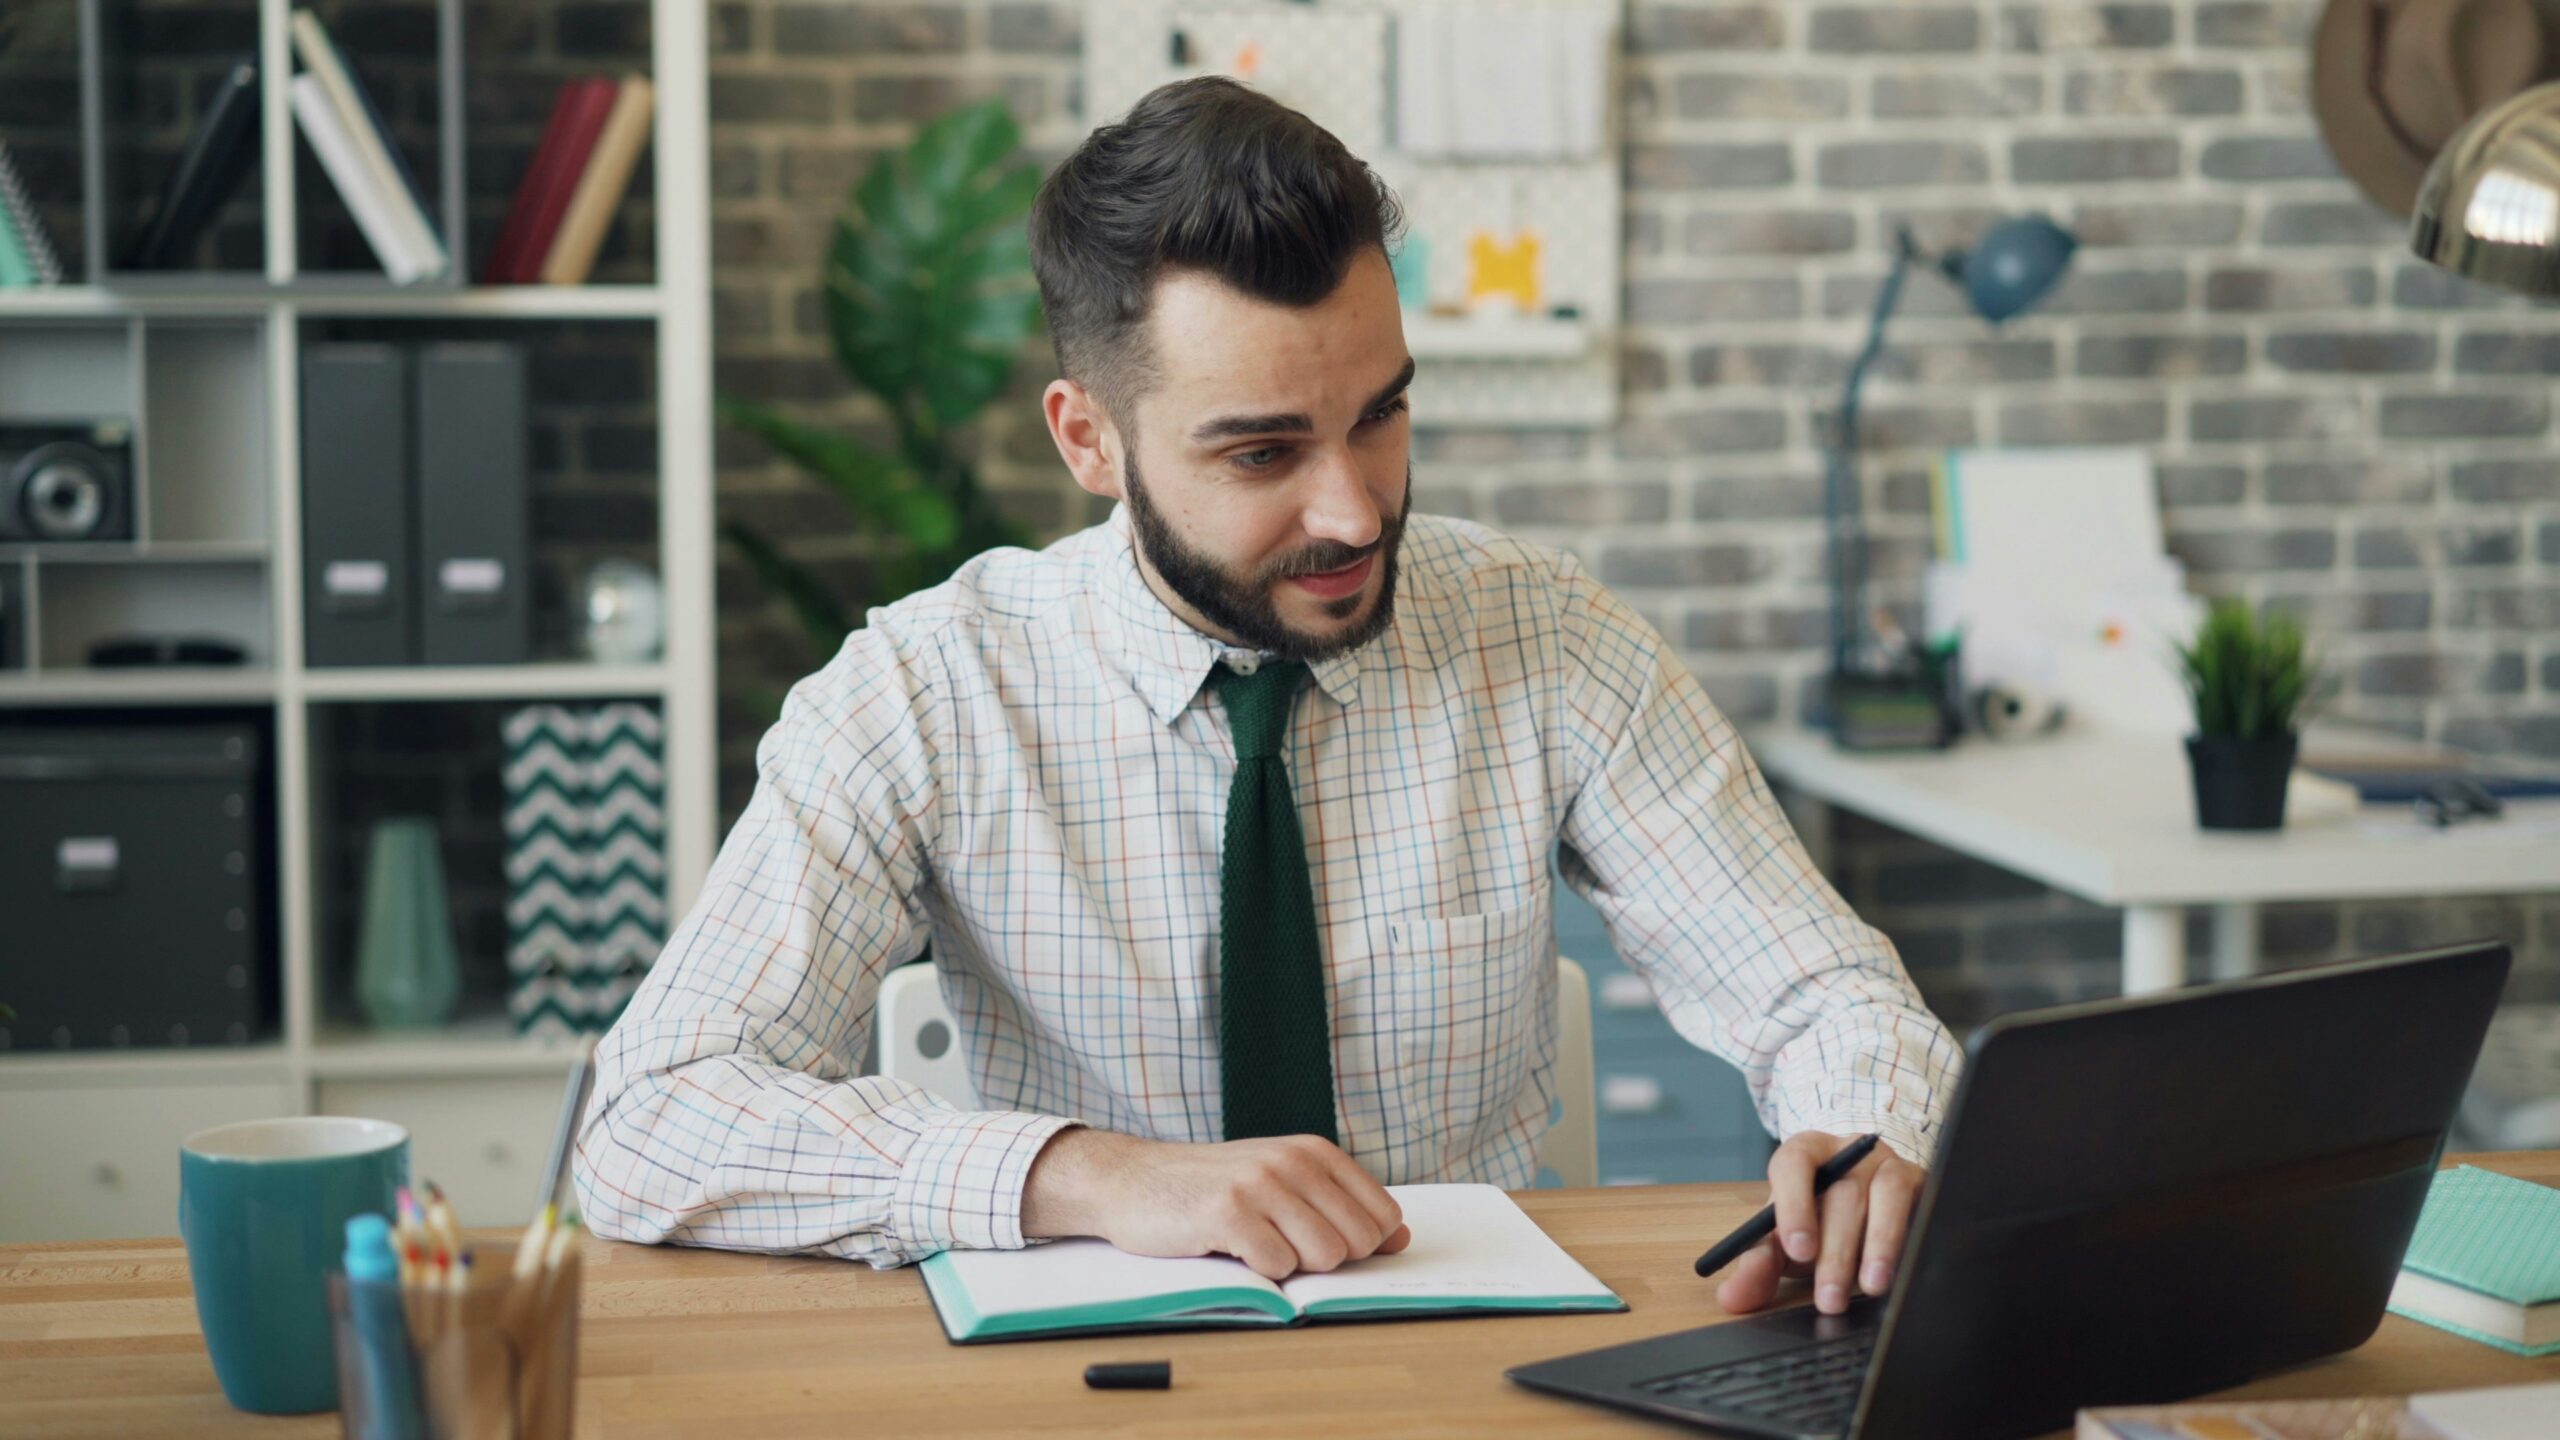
2485 1262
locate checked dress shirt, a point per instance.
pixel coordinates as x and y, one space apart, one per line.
1024 767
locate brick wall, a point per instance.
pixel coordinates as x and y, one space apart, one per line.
2338 429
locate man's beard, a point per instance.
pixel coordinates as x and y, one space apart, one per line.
1243 607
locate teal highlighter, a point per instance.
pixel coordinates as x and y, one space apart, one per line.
379 1371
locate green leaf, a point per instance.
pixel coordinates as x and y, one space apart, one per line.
816 610
2249 678
929 299
877 488
928 286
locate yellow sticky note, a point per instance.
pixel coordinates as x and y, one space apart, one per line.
1495 270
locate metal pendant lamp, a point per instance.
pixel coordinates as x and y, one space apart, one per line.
2489 209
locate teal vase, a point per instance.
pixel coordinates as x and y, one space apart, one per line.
406 973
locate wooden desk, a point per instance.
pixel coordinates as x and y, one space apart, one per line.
98 1339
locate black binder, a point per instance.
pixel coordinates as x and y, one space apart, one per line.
359 583
472 519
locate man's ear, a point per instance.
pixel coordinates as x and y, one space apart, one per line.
1085 437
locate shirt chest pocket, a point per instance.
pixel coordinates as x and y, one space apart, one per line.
1470 1015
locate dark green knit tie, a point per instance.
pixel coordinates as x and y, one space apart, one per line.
1275 1050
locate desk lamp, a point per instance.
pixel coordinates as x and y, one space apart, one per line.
2489 209
1877 701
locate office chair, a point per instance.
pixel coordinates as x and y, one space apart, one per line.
920 1044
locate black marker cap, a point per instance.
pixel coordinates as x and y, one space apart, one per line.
1131 1375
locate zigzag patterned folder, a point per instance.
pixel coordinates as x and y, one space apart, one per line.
2485 1261
586 861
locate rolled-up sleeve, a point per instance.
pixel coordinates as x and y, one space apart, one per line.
726 1109
1674 837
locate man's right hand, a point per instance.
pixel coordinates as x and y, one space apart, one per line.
1281 1205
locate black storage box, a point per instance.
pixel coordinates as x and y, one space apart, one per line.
136 874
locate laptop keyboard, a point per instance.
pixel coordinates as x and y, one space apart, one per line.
1809 1388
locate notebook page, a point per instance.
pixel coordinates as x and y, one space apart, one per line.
1470 1243
1084 1274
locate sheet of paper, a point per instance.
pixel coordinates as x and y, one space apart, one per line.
1085 1273
1469 1242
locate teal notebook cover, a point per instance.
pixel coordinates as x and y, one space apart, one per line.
2490 1233
1474 1252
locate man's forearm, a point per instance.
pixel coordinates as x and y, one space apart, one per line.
1060 1196
1281 1205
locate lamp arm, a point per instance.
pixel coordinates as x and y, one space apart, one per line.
1843 502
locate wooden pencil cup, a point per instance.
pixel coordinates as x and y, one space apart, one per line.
499 1362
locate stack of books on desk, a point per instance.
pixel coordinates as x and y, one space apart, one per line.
2485 1262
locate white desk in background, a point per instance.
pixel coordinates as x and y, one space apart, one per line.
2111 818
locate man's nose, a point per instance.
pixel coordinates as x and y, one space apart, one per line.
1340 508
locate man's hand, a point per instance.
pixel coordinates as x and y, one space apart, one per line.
1851 1234
1280 1205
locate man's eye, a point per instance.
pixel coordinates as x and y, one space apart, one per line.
1387 411
1261 459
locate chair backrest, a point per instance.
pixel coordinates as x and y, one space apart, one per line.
920 1044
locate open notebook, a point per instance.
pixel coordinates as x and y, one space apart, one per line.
1473 1252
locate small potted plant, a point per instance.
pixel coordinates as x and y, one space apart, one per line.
2252 679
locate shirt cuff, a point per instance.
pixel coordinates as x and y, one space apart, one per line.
960 1185
1913 1142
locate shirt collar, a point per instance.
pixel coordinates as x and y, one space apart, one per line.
1167 659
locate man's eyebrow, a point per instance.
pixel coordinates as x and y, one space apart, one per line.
1230 426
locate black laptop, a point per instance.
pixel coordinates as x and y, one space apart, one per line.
2135 1201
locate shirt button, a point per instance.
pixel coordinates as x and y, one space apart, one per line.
1243 662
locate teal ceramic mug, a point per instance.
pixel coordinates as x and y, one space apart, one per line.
263 1206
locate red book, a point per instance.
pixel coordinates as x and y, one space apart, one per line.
542 197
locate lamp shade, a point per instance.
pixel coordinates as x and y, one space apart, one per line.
2014 265
2489 209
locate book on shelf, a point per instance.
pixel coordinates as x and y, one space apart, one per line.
323 127
214 163
373 165
578 114
579 173
25 237
607 176
2484 1261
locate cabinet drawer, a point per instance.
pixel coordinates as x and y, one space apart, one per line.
101 1162
482 1140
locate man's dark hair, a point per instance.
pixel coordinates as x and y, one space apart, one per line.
1204 175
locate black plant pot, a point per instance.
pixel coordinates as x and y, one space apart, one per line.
2240 784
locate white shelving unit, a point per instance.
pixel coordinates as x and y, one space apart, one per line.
105 1125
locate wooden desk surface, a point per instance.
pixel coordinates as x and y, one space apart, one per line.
99 1339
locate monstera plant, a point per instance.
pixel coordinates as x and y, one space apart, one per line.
929 297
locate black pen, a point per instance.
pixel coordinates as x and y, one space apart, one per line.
1757 1228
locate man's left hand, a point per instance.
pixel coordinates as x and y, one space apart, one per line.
1849 1235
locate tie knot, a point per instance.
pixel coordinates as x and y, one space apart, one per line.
1258 704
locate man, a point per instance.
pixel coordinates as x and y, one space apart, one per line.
1229 822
